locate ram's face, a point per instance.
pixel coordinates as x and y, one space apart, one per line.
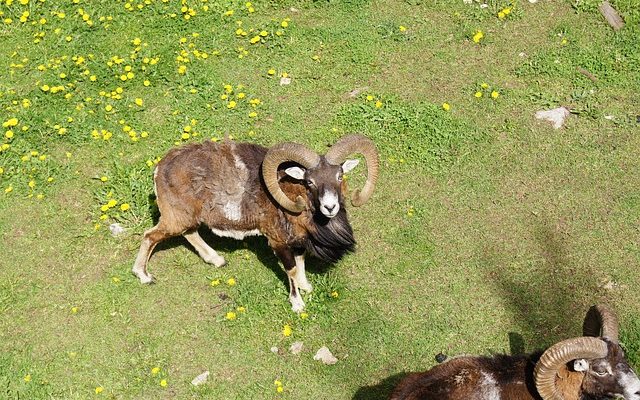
324 185
609 377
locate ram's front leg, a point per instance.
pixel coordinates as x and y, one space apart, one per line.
300 275
288 259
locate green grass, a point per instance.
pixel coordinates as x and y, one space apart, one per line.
488 232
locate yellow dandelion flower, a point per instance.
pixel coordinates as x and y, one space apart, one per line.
8 189
495 94
215 282
99 389
501 15
155 370
163 383
32 184
231 282
446 106
335 294
254 39
8 134
232 104
478 36
230 316
378 104
241 309
304 315
108 107
402 28
104 178
146 83
253 114
112 203
10 123
125 206
115 279
286 330
74 310
45 88
478 94
139 102
27 378
271 71
284 24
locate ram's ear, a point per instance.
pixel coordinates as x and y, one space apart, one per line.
580 365
295 172
349 165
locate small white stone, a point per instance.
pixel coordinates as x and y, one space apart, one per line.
274 350
325 356
296 348
116 229
285 81
533 1
484 5
200 379
609 117
557 116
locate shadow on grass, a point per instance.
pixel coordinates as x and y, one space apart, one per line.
549 297
382 390
258 245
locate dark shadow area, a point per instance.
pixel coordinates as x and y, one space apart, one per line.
257 244
382 390
549 299
516 344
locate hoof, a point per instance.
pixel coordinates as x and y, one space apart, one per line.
216 261
144 278
297 305
306 287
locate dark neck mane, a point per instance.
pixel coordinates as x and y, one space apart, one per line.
330 238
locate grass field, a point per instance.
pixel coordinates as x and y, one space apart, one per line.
489 231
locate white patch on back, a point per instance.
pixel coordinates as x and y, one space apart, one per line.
232 209
239 235
489 389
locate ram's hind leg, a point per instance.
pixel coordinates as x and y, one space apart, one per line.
149 241
206 252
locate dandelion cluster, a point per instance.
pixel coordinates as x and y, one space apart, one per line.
486 90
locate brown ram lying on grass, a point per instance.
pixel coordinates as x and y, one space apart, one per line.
242 189
588 368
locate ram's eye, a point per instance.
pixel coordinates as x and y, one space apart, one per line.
310 182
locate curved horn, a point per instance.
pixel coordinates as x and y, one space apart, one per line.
601 321
558 355
357 144
275 156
